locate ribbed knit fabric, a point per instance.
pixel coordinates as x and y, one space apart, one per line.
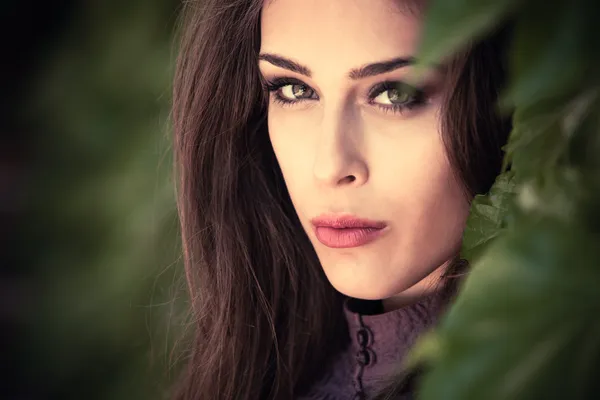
380 341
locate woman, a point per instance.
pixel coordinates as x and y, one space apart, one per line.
322 198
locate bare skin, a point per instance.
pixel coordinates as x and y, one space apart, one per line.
349 145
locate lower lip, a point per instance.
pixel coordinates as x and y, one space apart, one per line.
342 238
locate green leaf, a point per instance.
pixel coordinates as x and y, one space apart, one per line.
584 121
560 193
536 145
525 324
488 215
542 133
553 51
449 25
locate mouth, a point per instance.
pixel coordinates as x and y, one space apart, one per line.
346 231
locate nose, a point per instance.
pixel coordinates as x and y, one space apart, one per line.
339 155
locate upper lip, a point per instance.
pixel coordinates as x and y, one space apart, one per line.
346 221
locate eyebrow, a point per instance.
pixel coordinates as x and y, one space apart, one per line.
364 71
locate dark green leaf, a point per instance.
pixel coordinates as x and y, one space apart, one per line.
542 133
535 146
449 25
487 217
551 58
584 146
560 194
525 324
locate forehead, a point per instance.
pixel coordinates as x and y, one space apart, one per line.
335 34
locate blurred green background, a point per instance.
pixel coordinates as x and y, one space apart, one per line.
94 280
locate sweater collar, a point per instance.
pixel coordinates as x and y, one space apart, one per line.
381 340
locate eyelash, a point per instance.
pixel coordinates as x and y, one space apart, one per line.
418 99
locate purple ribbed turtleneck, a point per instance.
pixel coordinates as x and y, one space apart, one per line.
379 342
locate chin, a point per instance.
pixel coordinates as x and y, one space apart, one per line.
366 286
363 293
371 282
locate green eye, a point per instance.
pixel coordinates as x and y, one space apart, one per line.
294 92
395 93
396 96
290 91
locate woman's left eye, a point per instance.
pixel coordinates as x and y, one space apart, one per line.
396 96
393 96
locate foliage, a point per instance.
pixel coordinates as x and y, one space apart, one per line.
103 222
524 324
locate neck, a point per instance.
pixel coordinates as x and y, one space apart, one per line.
427 286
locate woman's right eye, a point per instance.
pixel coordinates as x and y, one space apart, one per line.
296 92
286 91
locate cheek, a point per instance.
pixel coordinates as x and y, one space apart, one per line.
291 141
282 134
427 203
438 205
411 163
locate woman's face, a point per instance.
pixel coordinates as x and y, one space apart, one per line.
353 142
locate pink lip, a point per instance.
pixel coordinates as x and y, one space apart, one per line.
346 231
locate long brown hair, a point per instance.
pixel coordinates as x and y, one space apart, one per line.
266 320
